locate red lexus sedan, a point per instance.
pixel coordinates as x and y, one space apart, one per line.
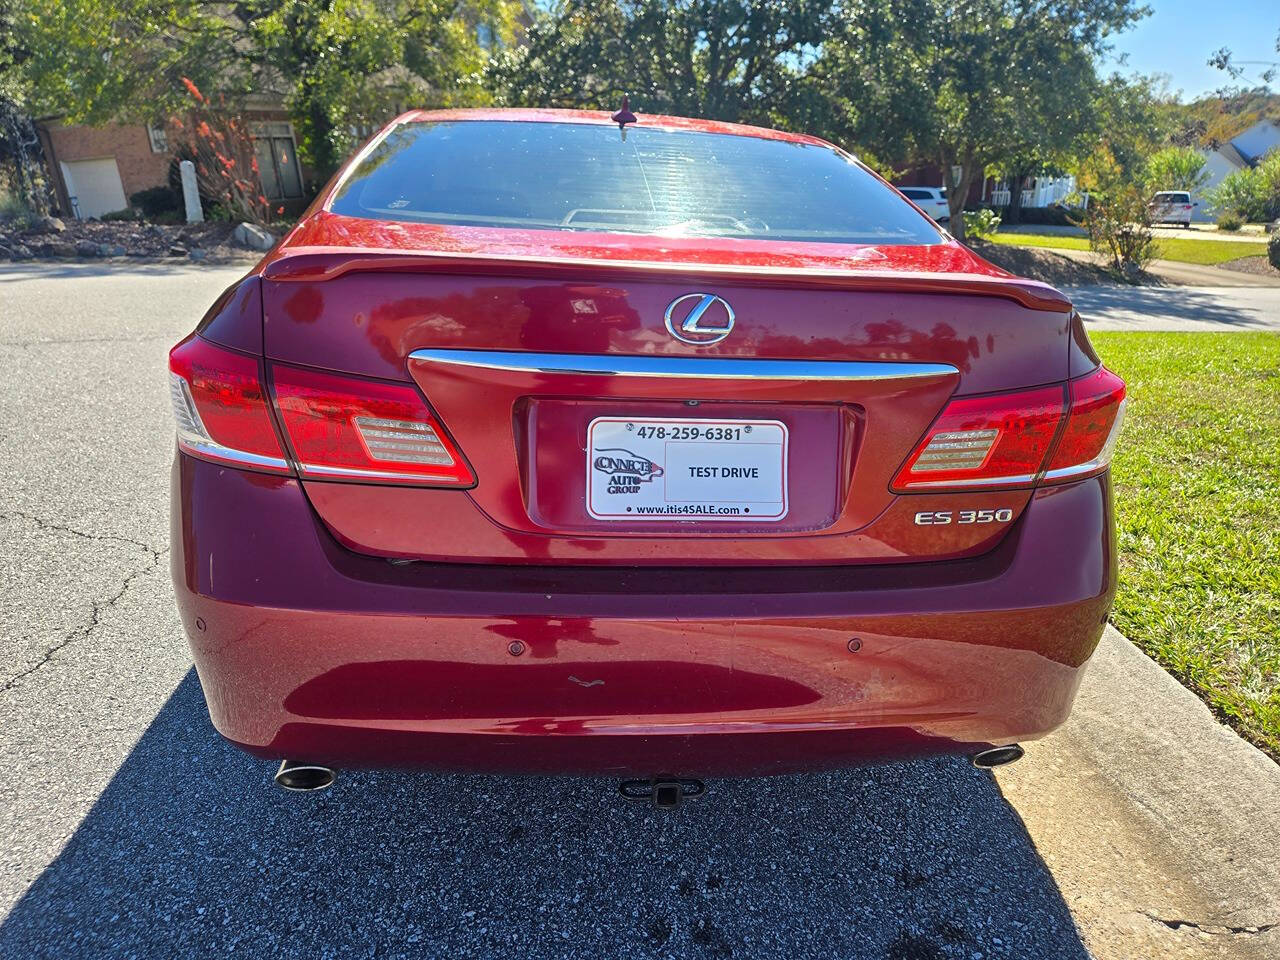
659 449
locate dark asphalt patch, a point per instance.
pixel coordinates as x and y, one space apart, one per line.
191 852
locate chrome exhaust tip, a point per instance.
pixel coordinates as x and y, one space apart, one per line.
998 756
303 777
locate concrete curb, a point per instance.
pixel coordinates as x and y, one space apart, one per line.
1159 824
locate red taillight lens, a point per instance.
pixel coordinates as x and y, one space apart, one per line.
1005 440
1000 440
1097 410
221 408
344 428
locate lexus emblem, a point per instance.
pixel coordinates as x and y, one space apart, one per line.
699 318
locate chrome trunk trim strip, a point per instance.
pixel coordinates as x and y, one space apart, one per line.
693 368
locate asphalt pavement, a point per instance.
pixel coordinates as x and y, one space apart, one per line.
1206 309
130 830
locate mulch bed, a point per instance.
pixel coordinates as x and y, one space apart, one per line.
1259 266
1043 265
116 239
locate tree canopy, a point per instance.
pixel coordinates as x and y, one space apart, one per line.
1133 123
737 60
339 65
968 84
961 84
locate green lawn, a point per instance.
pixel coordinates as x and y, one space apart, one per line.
1197 474
1182 249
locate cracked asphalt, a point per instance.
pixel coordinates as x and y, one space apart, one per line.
131 830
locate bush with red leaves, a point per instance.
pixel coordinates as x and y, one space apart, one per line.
220 146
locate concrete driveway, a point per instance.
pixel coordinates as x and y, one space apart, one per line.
1142 828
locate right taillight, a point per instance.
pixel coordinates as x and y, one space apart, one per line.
1089 437
993 441
1018 439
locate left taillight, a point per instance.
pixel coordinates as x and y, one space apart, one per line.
221 407
349 428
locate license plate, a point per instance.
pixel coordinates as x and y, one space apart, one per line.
686 469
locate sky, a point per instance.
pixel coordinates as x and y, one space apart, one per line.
1179 36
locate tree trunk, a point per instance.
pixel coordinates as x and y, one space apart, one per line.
957 193
1013 212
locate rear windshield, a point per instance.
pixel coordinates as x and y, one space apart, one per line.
573 176
916 194
1174 197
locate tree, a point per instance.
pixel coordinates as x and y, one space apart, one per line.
1225 60
352 62
1177 168
964 84
1133 124
737 60
340 65
1038 148
22 173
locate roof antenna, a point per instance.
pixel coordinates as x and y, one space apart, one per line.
624 116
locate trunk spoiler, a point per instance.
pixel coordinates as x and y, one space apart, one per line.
317 264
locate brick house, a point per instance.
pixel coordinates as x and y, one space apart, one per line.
95 170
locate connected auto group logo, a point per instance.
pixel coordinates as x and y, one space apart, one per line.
626 470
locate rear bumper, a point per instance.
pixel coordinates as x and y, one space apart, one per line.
307 650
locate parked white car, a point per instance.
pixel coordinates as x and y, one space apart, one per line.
932 200
1171 206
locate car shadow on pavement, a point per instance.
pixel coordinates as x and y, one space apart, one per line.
191 852
1162 304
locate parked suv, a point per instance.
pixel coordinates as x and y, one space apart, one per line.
932 200
537 448
1172 206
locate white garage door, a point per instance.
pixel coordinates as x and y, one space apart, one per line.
94 186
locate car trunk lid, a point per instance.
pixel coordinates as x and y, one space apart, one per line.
521 360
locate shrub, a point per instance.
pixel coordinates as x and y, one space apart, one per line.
14 211
1269 172
1245 192
217 213
1230 221
222 151
1273 250
1054 216
1176 168
980 224
155 200
1119 227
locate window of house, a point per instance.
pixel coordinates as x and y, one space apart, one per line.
277 156
159 138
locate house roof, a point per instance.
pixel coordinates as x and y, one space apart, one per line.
1257 141
1237 158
